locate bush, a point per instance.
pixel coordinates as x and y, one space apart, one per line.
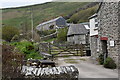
109 63
101 59
28 49
62 34
8 32
34 55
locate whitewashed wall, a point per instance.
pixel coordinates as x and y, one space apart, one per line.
93 29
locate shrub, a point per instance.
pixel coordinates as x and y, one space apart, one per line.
34 55
101 59
109 63
62 34
8 32
28 49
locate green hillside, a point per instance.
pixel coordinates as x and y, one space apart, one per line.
83 15
19 17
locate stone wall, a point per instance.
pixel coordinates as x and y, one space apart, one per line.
119 40
52 73
108 27
93 47
47 26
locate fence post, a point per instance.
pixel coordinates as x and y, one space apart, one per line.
81 50
77 49
49 47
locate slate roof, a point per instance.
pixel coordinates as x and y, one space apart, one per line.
76 29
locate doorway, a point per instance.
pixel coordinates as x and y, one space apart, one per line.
104 49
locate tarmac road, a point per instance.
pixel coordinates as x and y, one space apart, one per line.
89 70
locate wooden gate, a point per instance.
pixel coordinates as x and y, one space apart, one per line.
55 49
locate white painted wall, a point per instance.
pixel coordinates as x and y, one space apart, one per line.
93 29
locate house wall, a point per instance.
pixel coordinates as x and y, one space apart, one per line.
47 26
108 27
93 38
94 47
92 27
70 39
59 23
78 39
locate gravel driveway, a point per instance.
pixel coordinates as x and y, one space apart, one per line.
86 67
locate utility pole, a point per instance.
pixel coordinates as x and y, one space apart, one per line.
32 29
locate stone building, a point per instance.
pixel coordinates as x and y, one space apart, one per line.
77 34
94 36
108 30
56 23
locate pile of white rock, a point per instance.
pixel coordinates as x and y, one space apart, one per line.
59 73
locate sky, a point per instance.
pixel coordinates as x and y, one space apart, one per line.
19 3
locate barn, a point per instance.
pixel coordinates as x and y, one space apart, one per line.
56 23
77 34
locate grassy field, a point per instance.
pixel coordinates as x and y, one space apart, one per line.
42 12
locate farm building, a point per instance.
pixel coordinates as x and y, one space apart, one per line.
56 23
77 34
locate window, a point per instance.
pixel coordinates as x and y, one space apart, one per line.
96 20
51 27
96 25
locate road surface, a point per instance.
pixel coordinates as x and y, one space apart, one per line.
87 69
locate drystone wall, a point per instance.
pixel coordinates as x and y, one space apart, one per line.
53 73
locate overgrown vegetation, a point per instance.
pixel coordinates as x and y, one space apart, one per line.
49 40
101 59
62 34
11 63
29 49
8 32
110 63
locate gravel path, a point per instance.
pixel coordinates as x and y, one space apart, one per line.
87 69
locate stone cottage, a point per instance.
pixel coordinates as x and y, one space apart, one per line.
56 23
109 30
77 34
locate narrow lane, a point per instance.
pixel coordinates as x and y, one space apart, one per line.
89 70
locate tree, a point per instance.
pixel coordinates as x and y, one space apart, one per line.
62 34
8 32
